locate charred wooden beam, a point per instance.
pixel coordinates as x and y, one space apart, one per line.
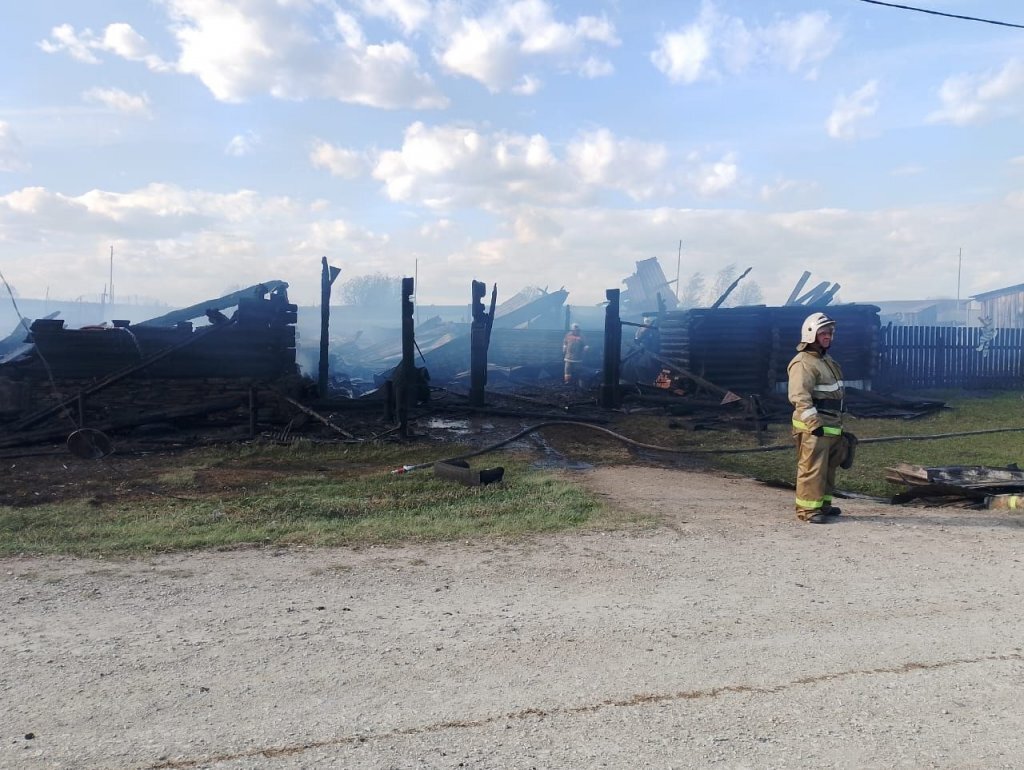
159 415
725 294
328 275
479 341
315 415
405 389
610 396
814 294
219 303
791 300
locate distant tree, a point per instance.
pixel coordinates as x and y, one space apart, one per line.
693 293
723 279
376 289
749 293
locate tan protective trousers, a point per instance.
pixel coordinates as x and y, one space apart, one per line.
817 458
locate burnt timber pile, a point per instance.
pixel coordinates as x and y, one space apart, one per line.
747 349
725 367
164 370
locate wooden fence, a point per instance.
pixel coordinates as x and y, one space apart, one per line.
949 357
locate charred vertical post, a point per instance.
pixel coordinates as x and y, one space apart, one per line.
612 351
405 389
389 401
253 410
479 342
328 275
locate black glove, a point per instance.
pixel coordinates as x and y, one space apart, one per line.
819 431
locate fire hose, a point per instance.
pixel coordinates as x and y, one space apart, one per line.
683 451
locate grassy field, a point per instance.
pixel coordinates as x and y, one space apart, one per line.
330 495
965 413
867 476
302 494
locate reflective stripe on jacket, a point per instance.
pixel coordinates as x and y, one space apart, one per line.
816 392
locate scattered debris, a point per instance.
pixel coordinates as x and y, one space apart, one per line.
956 484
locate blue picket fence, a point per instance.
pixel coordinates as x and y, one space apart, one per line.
919 357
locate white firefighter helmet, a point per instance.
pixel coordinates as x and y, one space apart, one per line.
575 327
813 324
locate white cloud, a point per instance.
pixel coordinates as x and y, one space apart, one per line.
290 50
968 99
176 244
437 229
801 42
850 109
123 40
449 166
495 48
410 14
342 162
595 67
182 245
119 101
242 144
119 39
716 177
527 86
78 45
11 150
782 188
716 44
636 168
683 55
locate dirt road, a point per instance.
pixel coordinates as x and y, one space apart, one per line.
732 635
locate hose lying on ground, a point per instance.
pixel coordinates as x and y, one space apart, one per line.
676 450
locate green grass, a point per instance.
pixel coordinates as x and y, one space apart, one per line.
999 410
334 495
309 495
966 413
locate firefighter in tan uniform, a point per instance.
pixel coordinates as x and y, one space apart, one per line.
573 348
816 393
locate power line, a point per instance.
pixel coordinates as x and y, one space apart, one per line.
940 13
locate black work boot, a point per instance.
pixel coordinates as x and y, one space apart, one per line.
817 517
831 510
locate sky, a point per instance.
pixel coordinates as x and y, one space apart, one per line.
214 144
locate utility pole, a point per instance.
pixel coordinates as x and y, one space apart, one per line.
679 261
959 265
111 278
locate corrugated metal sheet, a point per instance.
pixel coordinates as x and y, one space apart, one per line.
643 287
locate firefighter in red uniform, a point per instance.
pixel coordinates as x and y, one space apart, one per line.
816 393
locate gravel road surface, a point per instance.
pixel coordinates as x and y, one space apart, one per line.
732 635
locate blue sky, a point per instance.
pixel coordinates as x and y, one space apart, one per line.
218 143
